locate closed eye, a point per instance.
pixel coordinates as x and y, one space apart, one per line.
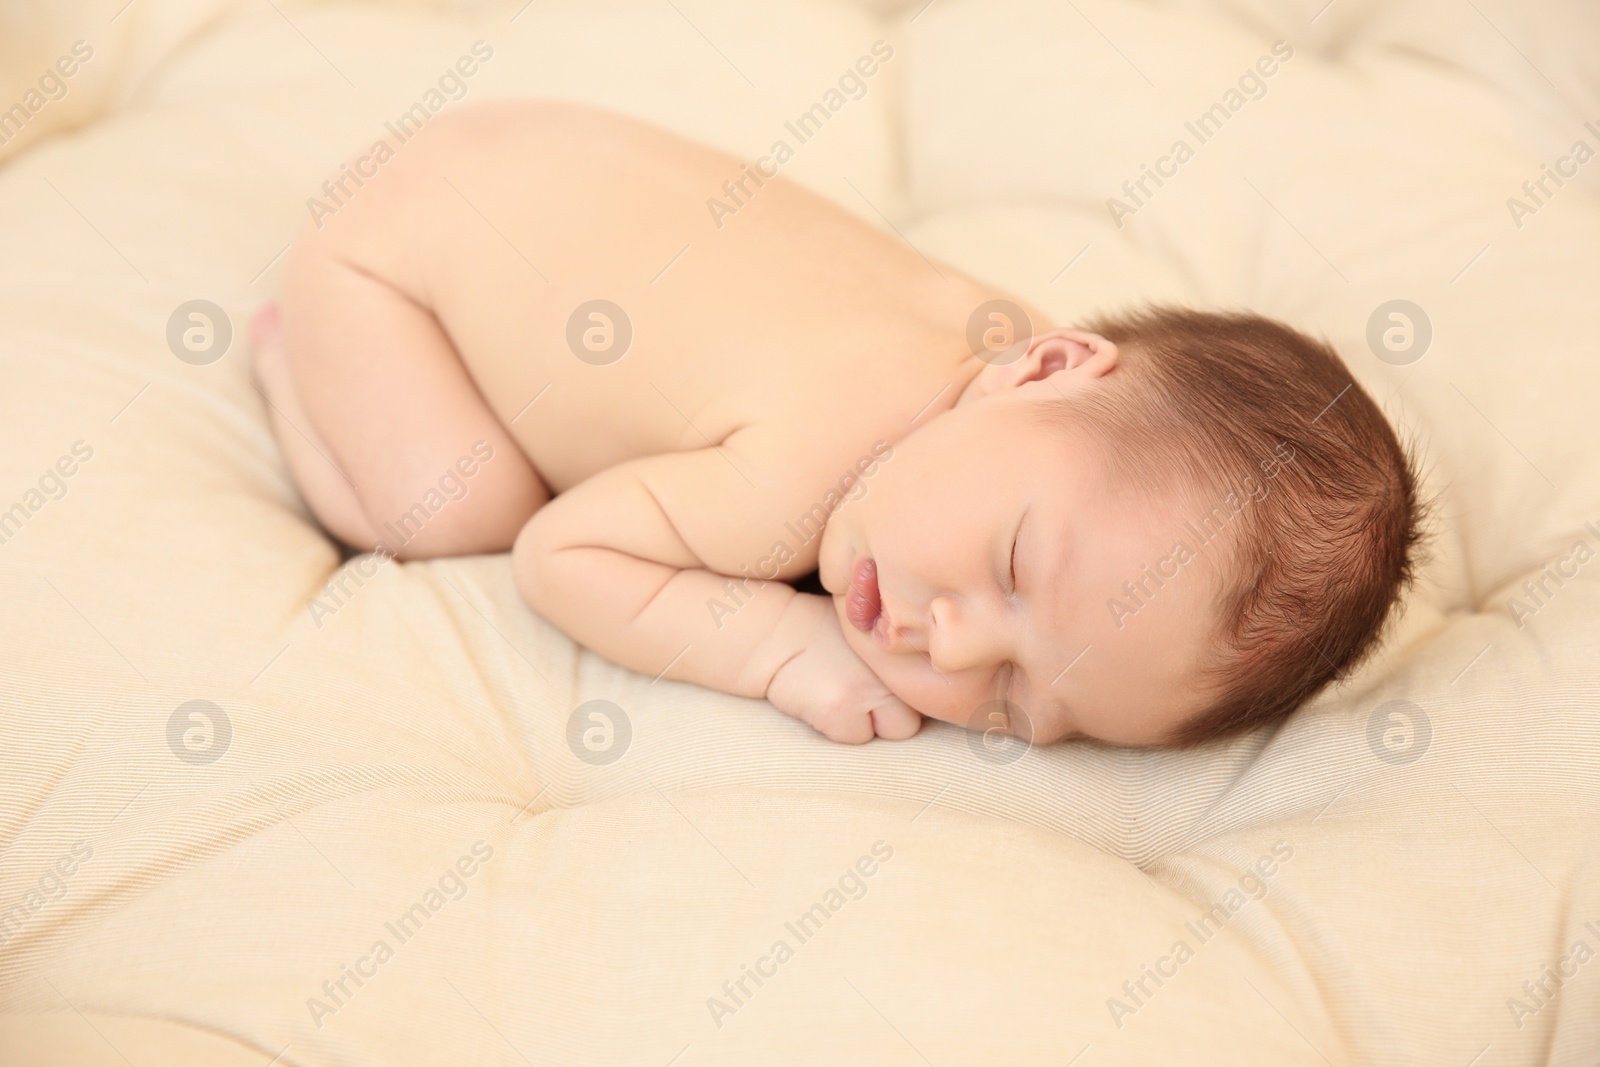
1013 587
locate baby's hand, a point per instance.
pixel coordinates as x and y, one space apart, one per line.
828 686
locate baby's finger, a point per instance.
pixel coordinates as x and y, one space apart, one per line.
845 728
894 720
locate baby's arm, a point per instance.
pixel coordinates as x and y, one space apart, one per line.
627 562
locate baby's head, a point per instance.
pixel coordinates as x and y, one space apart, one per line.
1208 521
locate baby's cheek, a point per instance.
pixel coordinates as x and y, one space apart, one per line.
937 696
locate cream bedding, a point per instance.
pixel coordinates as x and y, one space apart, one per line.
379 837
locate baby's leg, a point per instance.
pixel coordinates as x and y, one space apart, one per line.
378 419
326 488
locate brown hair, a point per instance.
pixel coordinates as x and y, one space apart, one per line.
1224 401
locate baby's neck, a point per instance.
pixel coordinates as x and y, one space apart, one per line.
961 378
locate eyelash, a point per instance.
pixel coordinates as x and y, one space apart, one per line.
1011 668
1013 588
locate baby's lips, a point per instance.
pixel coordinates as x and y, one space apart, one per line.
862 604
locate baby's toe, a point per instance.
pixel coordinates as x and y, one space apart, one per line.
264 325
266 345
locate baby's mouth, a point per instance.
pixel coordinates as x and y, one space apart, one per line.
863 604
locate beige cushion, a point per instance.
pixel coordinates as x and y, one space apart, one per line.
1420 878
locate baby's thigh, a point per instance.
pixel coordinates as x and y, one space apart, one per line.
431 465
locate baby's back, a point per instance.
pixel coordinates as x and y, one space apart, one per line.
573 258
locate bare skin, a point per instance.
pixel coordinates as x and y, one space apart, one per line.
788 368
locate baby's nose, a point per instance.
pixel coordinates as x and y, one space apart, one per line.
961 640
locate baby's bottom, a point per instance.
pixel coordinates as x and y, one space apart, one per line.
378 418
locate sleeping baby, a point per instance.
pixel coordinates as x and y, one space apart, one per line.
734 436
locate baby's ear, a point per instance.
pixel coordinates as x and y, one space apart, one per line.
1078 351
1083 355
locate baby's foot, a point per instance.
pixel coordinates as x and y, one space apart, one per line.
269 368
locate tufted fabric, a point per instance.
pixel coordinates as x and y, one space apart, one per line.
1386 878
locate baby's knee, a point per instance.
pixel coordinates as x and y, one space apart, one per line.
469 506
